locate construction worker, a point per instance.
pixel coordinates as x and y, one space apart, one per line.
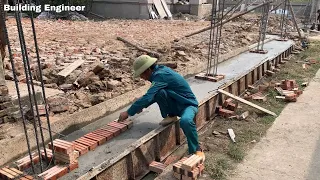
173 95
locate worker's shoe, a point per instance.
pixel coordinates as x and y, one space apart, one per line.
201 154
168 120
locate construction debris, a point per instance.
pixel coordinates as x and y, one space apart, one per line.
244 115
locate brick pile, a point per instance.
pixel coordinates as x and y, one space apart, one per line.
67 153
288 90
12 173
188 168
228 108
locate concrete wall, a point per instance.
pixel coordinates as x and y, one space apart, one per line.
122 9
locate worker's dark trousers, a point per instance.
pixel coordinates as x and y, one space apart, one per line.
168 107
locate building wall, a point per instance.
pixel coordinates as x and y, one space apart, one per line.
122 9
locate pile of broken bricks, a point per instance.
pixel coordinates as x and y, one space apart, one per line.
66 153
228 110
288 90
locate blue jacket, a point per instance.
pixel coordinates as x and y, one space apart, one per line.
174 84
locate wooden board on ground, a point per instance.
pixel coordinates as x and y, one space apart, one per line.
247 102
65 72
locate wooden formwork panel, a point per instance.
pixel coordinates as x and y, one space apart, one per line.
255 76
249 77
234 88
142 157
167 141
116 171
264 68
260 72
242 85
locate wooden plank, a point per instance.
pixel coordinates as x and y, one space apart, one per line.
160 9
247 102
165 6
65 72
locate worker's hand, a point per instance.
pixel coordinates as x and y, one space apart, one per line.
123 116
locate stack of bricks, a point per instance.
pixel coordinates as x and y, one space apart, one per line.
57 172
288 89
11 173
188 168
5 105
100 136
25 162
64 152
228 108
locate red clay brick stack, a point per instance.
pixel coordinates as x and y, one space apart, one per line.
25 162
64 152
288 89
188 168
10 173
228 108
157 167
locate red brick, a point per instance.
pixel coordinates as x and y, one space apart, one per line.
232 106
157 167
28 177
177 166
62 146
129 123
286 85
291 97
88 142
73 166
82 149
115 131
227 102
96 137
57 173
23 178
118 125
107 134
5 175
225 112
25 162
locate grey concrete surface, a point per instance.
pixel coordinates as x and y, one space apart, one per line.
291 148
148 120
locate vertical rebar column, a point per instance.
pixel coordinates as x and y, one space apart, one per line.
219 38
42 86
263 26
16 83
282 21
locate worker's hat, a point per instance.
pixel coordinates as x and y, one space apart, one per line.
141 64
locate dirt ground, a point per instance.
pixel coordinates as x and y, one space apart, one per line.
63 42
223 156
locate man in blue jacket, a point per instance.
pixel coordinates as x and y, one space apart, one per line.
173 95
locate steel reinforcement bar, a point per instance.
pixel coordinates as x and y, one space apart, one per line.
157 145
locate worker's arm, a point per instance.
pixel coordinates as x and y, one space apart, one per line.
148 99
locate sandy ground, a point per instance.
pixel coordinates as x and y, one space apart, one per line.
291 147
